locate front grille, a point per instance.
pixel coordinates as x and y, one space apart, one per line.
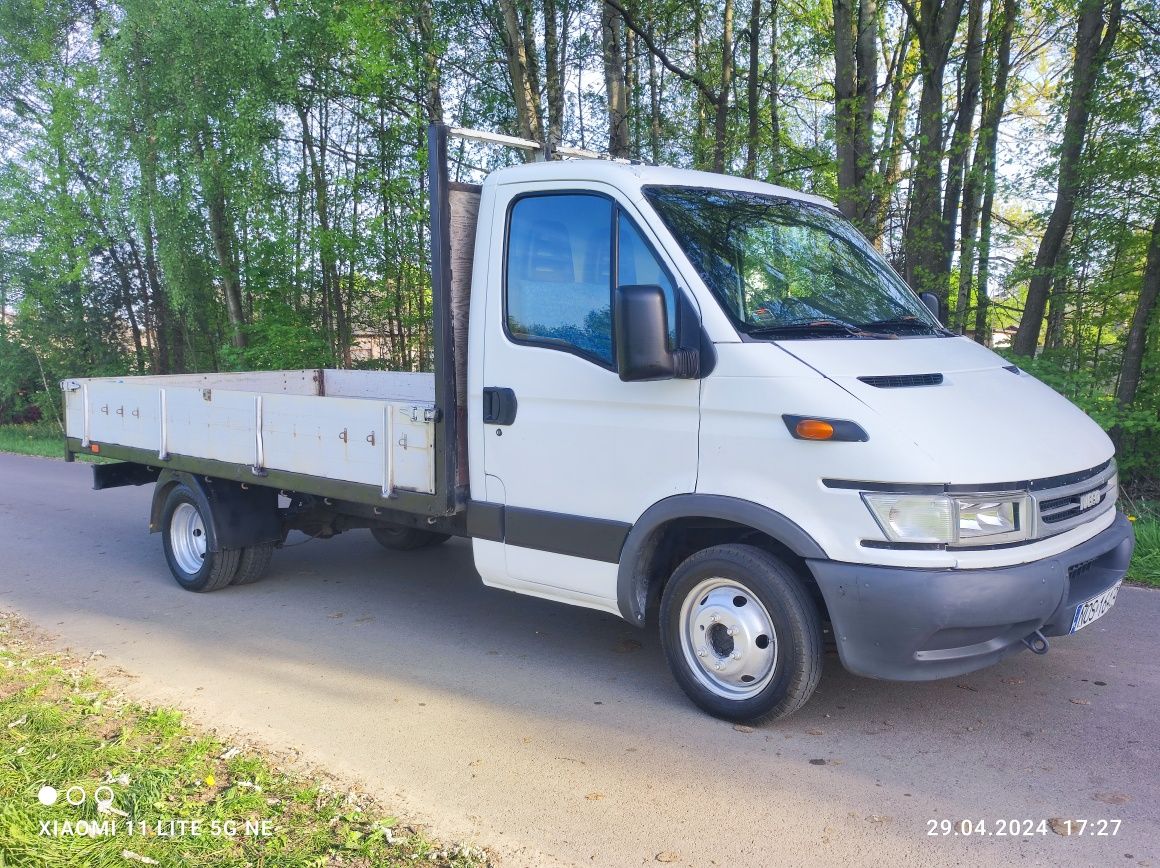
903 381
1063 507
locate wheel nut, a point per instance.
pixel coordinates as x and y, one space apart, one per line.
713 618
718 666
732 631
700 652
736 655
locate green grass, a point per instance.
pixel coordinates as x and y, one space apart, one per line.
36 438
61 727
1145 568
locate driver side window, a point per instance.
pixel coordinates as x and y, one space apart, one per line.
559 277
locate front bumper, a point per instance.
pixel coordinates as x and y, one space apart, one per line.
916 625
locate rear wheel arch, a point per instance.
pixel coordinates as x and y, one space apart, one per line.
239 515
674 528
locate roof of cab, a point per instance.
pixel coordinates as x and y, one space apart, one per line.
632 176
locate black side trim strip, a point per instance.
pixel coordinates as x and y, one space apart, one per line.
940 488
596 539
485 520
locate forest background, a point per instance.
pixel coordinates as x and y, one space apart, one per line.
232 184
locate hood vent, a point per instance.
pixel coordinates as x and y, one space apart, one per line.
903 381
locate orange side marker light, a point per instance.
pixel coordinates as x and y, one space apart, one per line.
814 429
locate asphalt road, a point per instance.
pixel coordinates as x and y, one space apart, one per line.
556 734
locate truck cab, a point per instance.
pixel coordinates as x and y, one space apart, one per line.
720 399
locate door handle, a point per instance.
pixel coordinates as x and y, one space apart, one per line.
499 405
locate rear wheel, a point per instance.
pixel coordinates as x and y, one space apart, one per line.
398 538
184 523
253 564
742 635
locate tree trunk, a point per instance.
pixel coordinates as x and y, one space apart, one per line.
855 95
1133 362
554 71
774 92
845 124
331 288
222 233
900 77
1057 303
985 166
925 269
612 42
698 47
525 95
434 99
721 116
1094 41
752 92
961 147
654 96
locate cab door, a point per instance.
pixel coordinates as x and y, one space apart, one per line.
575 454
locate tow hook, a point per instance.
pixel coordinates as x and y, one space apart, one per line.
1037 642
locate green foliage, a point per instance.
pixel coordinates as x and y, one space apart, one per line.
1145 516
1135 428
282 339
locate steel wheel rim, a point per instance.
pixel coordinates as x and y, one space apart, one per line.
728 639
187 538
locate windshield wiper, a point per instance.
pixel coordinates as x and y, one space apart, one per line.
814 326
912 323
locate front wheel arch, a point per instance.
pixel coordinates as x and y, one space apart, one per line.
650 552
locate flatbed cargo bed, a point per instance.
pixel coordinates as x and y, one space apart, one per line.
367 436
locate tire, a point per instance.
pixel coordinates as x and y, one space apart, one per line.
184 520
769 665
401 539
253 564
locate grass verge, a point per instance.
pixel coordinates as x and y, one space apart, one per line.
61 728
37 438
1145 568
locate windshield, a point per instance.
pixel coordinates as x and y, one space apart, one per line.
790 269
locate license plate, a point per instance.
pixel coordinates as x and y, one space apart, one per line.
1094 609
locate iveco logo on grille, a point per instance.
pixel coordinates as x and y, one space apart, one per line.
1090 499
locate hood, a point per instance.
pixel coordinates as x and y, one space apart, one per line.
984 423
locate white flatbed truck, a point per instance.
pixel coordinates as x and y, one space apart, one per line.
668 395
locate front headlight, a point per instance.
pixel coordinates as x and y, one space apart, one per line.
951 519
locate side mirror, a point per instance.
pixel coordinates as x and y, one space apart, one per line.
640 326
931 302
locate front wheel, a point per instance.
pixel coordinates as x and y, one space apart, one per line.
184 520
741 633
